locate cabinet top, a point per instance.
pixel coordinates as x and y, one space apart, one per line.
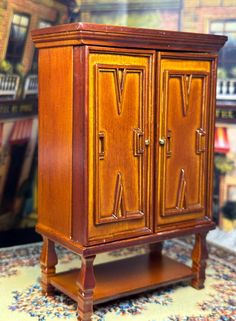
107 35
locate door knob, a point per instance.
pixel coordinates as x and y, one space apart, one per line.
147 142
162 141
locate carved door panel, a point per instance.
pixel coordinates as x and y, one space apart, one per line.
183 146
120 100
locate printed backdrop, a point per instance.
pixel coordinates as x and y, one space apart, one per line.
19 87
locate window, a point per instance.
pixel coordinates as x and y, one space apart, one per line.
42 24
17 38
227 57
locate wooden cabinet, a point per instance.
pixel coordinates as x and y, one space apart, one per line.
125 154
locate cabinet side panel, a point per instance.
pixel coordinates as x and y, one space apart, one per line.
55 139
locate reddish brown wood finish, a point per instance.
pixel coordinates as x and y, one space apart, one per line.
185 106
55 138
165 234
79 222
126 141
125 277
120 97
48 261
85 284
199 257
156 249
88 33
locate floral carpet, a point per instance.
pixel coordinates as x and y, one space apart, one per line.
21 298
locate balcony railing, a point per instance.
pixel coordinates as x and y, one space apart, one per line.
9 86
226 89
31 86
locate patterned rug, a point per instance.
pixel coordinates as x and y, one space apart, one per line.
21 298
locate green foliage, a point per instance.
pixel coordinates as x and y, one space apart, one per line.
20 70
6 67
221 73
223 164
229 210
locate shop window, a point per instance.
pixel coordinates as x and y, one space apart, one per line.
17 38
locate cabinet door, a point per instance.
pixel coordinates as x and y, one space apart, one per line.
185 137
120 95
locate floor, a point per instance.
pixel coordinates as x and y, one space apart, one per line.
223 239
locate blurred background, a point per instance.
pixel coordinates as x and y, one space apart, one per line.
18 93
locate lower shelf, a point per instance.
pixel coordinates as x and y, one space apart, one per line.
125 277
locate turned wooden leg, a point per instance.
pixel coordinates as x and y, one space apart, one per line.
199 257
85 284
155 249
48 261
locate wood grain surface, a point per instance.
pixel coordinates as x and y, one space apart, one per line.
125 277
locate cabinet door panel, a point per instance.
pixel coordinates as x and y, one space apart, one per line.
121 173
122 87
183 138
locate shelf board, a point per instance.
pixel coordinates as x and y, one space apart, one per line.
126 277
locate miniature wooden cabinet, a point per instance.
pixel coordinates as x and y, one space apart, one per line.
126 138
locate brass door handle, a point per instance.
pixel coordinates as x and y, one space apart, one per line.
169 143
162 141
101 146
138 145
200 141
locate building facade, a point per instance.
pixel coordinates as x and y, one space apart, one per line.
17 18
18 106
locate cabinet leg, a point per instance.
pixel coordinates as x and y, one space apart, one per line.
199 257
48 261
155 249
85 284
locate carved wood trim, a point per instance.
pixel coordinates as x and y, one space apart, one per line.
199 257
85 285
200 143
186 79
181 194
169 143
119 210
101 152
119 201
48 261
120 36
120 77
120 73
138 146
